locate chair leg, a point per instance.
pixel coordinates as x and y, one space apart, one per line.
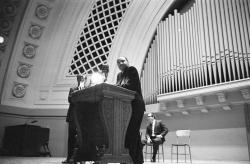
158 154
162 150
185 152
45 150
177 152
48 150
190 154
144 154
151 152
171 153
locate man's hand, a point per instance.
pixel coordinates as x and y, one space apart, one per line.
149 140
159 136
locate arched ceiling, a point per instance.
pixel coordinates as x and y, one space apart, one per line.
41 43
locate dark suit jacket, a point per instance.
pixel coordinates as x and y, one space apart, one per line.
129 79
69 117
160 129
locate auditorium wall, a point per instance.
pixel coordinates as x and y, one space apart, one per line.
217 135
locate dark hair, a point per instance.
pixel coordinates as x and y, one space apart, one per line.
123 57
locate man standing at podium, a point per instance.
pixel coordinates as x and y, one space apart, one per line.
72 133
129 78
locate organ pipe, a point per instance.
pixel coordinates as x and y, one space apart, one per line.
207 45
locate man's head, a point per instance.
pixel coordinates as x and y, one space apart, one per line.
151 117
122 63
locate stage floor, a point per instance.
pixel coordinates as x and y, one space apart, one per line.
54 160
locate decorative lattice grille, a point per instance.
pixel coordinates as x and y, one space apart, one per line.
95 40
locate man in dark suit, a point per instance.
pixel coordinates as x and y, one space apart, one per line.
128 78
155 134
72 133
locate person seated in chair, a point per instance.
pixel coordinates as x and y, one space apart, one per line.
155 134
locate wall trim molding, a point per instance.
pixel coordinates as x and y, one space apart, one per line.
26 112
30 116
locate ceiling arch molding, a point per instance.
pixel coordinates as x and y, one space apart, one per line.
136 33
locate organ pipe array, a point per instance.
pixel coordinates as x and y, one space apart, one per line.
150 79
207 45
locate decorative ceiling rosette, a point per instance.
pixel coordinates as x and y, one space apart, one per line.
23 70
42 11
4 43
29 50
9 9
35 31
19 90
5 25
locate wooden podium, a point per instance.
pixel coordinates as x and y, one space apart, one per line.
102 114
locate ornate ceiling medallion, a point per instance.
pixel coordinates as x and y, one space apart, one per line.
35 31
23 70
29 50
19 90
9 9
42 11
5 25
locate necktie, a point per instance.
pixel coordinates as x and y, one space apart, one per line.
153 128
